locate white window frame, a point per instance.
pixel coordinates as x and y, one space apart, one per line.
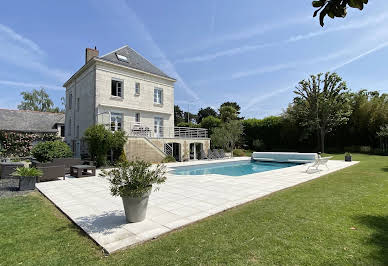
158 96
113 120
159 132
118 88
137 88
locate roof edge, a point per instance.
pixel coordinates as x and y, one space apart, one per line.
134 69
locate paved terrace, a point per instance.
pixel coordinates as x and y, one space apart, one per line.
180 201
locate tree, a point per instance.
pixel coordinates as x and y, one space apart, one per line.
210 123
321 105
99 141
335 8
203 113
234 105
228 135
190 117
178 115
37 100
228 113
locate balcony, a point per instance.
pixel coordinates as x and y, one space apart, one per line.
140 130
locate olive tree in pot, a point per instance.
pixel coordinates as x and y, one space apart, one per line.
27 177
133 181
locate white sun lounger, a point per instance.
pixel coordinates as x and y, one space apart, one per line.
318 162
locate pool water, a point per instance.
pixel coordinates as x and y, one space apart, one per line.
230 168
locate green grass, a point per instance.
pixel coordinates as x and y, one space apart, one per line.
311 223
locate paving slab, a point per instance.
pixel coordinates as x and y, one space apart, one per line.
180 201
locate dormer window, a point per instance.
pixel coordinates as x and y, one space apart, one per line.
117 88
122 58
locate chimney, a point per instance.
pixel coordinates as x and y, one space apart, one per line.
90 54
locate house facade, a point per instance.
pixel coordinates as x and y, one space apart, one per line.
124 91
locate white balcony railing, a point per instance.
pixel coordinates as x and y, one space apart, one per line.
141 130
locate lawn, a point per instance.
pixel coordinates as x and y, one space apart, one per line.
341 218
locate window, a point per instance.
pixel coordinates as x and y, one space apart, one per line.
137 117
77 104
69 131
117 86
70 100
158 127
62 131
158 96
77 132
122 58
137 88
116 120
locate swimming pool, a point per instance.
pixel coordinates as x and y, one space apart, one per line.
238 168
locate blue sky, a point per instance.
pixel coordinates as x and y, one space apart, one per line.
253 52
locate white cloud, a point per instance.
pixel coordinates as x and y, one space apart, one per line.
265 97
4 30
129 17
247 48
30 85
25 53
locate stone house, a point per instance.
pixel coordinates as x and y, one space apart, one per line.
124 91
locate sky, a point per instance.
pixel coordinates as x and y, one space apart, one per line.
251 52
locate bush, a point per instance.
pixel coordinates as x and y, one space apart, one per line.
258 145
47 151
239 153
27 172
168 159
134 179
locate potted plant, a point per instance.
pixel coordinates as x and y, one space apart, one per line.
348 157
27 177
133 181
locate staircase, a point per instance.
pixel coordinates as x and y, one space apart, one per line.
144 149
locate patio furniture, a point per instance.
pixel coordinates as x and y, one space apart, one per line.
82 170
203 155
66 162
210 155
7 168
318 162
51 173
216 154
222 154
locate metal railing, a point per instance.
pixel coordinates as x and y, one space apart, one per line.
141 130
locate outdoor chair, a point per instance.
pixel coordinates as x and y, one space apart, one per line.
210 155
51 173
222 154
216 153
203 155
318 162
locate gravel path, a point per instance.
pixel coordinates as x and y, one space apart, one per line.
9 188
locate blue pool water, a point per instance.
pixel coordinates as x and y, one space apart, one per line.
230 168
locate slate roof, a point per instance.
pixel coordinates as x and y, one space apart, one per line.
135 60
29 121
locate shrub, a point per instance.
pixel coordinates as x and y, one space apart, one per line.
210 123
47 151
239 153
27 172
134 179
168 159
258 145
98 139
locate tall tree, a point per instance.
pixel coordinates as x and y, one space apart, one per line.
37 100
203 113
335 8
321 105
228 135
210 123
228 113
178 115
234 105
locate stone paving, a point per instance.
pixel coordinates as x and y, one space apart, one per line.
180 201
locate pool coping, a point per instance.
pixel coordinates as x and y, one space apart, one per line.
183 200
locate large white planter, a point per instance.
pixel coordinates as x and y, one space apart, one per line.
136 208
